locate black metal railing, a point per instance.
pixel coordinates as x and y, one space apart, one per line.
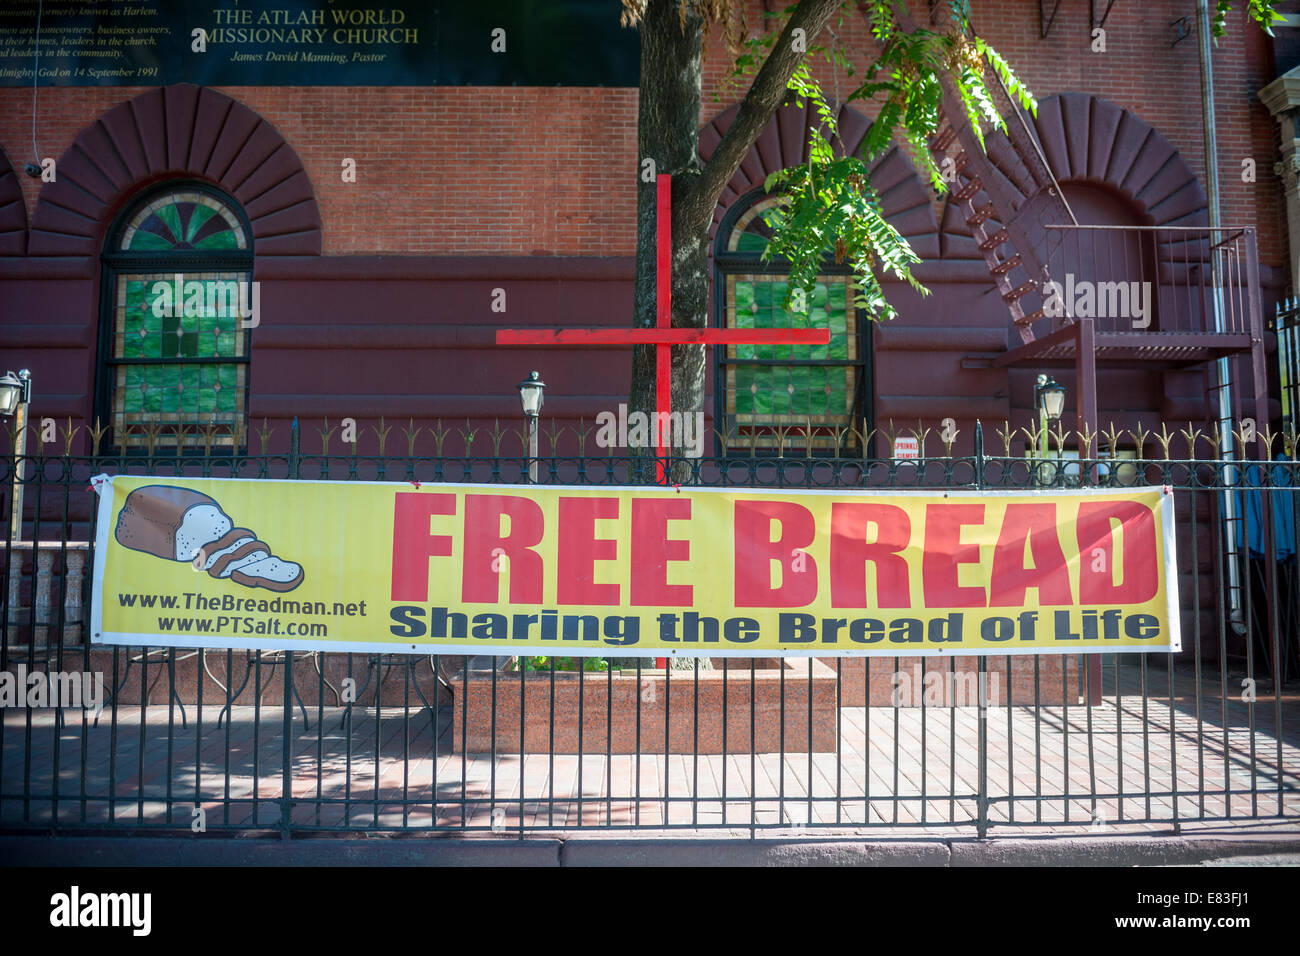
296 742
1286 324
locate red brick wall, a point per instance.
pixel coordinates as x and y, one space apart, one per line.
525 171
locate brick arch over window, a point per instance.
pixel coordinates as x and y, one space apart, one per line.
1089 140
180 131
13 212
904 197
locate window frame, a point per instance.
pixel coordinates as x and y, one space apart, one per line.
116 264
727 263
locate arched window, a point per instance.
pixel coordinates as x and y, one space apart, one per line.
177 305
771 397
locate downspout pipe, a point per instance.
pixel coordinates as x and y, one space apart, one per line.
1222 371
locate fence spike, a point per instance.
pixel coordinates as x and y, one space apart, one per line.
1006 434
1164 438
496 434
1140 440
1059 435
381 433
411 431
891 436
950 440
439 437
1034 437
468 434
1240 435
68 436
1086 438
553 434
1268 435
1111 434
96 436
1216 442
326 434
264 435
920 435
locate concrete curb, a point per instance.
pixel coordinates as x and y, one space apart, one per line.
707 852
595 851
1117 851
221 851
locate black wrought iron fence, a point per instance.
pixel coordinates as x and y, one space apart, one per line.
168 739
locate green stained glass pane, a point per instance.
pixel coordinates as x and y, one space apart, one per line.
171 218
170 344
171 396
198 216
130 319
207 324
838 318
218 240
152 385
744 317
186 220
225 346
152 338
132 397
189 388
228 394
749 242
148 242
207 398
818 319
797 379
818 400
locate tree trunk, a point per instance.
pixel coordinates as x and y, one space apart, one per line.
668 134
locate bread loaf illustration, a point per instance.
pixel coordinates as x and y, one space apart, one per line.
179 524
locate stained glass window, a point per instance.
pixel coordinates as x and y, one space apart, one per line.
788 397
181 304
183 221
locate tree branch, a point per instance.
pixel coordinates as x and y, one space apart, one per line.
764 98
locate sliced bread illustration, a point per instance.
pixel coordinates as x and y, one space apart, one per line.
170 522
271 573
183 525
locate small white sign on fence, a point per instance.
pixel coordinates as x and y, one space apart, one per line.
907 447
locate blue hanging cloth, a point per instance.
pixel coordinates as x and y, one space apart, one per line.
1282 503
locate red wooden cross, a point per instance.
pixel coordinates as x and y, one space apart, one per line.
663 336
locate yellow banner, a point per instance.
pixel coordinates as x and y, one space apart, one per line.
648 571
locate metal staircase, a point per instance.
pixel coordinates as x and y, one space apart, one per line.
1007 204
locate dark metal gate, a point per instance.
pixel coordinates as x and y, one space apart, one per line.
206 741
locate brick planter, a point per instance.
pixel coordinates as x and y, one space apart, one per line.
917 685
610 709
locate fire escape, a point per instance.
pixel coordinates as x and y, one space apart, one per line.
1201 283
1204 296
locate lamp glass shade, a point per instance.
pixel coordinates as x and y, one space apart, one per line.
1052 398
11 393
530 394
